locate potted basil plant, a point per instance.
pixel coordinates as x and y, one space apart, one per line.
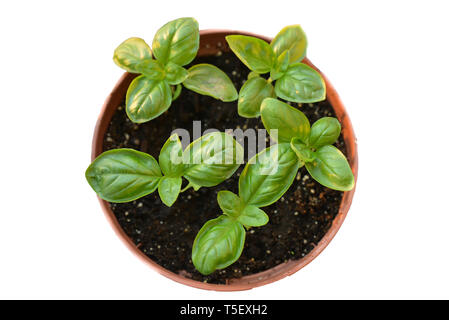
207 232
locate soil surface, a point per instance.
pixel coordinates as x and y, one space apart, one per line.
297 221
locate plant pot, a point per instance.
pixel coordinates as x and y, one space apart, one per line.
208 46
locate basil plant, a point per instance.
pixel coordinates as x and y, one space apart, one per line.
294 81
267 176
174 46
124 175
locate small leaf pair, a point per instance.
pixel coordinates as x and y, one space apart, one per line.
265 178
174 46
124 175
312 145
295 81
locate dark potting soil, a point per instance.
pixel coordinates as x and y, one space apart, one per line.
297 221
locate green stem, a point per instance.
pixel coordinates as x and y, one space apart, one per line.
176 92
270 80
187 187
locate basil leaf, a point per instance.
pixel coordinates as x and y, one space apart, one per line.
302 150
177 41
288 121
218 244
123 175
301 83
268 175
255 53
211 159
253 74
208 80
230 203
280 65
131 54
169 188
170 157
175 74
152 69
252 216
253 92
293 39
331 169
324 131
146 99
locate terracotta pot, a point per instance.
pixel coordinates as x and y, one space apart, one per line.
212 41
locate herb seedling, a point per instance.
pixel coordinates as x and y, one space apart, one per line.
267 176
124 175
294 81
174 46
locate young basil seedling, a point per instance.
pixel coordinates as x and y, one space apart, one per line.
267 176
174 46
295 81
312 145
124 175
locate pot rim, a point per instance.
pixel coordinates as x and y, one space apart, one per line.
258 279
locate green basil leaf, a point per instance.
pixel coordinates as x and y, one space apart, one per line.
171 157
211 159
301 83
208 80
175 74
152 69
177 41
123 175
252 216
280 65
331 169
131 54
230 203
302 150
176 92
251 95
287 120
324 131
169 188
146 99
253 74
218 244
268 175
255 53
293 39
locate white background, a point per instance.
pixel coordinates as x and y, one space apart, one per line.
387 59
